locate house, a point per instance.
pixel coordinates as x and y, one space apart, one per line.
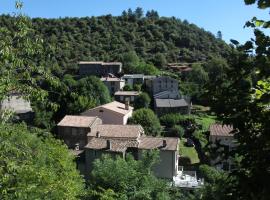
113 83
123 96
133 79
117 140
99 68
161 84
222 135
122 139
17 104
74 129
164 106
111 113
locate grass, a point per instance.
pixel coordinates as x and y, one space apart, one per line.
189 152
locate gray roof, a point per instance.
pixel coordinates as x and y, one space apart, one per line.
127 93
133 76
170 103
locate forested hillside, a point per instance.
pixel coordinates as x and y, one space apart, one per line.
155 40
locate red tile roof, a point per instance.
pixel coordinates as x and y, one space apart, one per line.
221 130
77 121
147 142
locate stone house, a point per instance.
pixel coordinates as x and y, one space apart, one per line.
96 139
113 84
111 113
73 130
99 68
161 84
222 135
123 96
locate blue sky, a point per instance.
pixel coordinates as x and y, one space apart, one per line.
228 16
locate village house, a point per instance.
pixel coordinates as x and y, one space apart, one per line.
113 84
111 113
89 139
222 135
123 96
99 68
133 79
165 106
21 107
161 84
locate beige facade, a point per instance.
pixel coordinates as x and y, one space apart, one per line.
113 84
162 83
111 113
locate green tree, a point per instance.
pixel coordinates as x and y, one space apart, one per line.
143 101
34 165
243 103
130 179
148 120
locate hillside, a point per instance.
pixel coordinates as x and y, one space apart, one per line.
156 40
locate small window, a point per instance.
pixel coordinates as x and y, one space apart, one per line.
101 111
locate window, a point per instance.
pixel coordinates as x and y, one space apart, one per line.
101 110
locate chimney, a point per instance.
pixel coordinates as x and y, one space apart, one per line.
109 144
77 147
164 144
127 104
98 134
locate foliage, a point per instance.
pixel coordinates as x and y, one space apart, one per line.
148 120
188 155
127 87
36 166
172 119
143 101
236 103
152 39
176 131
130 179
21 56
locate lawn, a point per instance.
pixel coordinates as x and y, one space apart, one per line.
189 152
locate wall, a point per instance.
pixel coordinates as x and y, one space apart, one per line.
107 116
73 135
167 166
164 83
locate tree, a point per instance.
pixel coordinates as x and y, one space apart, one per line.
138 13
143 101
148 120
34 165
243 103
198 75
219 35
130 179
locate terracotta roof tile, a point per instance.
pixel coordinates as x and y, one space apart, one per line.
76 121
221 130
147 142
117 131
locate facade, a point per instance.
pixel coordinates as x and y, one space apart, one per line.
111 113
123 96
133 79
222 134
161 84
99 68
164 106
74 129
17 104
113 84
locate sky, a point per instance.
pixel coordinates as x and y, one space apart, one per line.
227 16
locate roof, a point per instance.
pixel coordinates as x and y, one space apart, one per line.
117 131
170 103
100 63
221 130
166 93
112 79
114 106
77 121
147 142
127 93
116 145
133 76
